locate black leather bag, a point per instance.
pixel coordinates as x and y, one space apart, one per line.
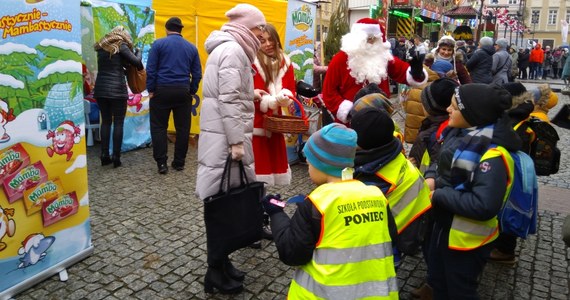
234 216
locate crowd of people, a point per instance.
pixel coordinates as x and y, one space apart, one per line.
373 201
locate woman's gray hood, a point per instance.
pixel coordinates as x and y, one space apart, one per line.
217 38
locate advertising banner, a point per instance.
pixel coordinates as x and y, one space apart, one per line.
300 46
139 21
44 204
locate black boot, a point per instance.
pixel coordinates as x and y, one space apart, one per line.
233 272
105 159
219 279
117 161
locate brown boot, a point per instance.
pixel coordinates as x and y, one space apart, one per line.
502 258
424 292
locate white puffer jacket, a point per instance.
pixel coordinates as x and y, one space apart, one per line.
226 115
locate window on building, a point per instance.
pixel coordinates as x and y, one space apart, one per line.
568 16
513 1
535 16
552 16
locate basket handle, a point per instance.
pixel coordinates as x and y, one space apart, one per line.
303 115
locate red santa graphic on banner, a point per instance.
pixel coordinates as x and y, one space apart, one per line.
365 58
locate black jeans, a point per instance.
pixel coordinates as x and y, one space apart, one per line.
454 274
113 111
177 100
506 243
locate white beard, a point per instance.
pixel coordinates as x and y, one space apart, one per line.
368 63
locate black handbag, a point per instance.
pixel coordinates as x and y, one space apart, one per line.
234 217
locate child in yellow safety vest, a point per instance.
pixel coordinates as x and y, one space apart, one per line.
379 162
339 235
471 184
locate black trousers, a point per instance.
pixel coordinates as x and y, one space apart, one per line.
454 274
506 243
177 100
113 111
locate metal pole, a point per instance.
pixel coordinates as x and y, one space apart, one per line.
479 28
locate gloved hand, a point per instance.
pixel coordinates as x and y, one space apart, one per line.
271 208
237 151
267 102
417 68
283 97
343 110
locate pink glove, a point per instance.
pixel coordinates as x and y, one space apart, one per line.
237 151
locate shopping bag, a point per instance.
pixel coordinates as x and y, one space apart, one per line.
233 216
136 79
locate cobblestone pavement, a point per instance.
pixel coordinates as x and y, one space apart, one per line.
149 239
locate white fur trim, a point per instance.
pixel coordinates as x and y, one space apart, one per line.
276 179
412 82
66 126
259 131
277 85
343 110
267 101
370 29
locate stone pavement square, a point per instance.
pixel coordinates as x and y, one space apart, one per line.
149 238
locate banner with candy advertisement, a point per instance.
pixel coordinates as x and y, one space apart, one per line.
138 19
300 47
44 205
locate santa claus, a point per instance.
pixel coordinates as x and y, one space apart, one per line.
365 58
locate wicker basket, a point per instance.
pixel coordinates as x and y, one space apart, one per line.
287 124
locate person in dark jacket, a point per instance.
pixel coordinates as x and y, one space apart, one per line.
114 51
504 246
523 62
470 187
173 75
480 63
436 98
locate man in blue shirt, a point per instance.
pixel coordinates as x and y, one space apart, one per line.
173 74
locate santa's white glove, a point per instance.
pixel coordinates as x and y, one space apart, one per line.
343 110
237 151
267 101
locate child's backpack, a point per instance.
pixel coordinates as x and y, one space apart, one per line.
544 151
518 216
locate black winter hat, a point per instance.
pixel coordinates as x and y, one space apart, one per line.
373 126
436 97
371 88
482 104
174 24
519 93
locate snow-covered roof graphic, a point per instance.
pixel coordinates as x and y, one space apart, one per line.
10 48
295 65
147 29
115 6
62 45
60 66
295 52
7 80
308 61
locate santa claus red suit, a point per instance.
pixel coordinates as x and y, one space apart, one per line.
269 150
365 58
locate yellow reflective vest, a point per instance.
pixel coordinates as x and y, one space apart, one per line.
408 195
468 234
353 256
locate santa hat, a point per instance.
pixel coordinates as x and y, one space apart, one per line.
70 126
371 27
